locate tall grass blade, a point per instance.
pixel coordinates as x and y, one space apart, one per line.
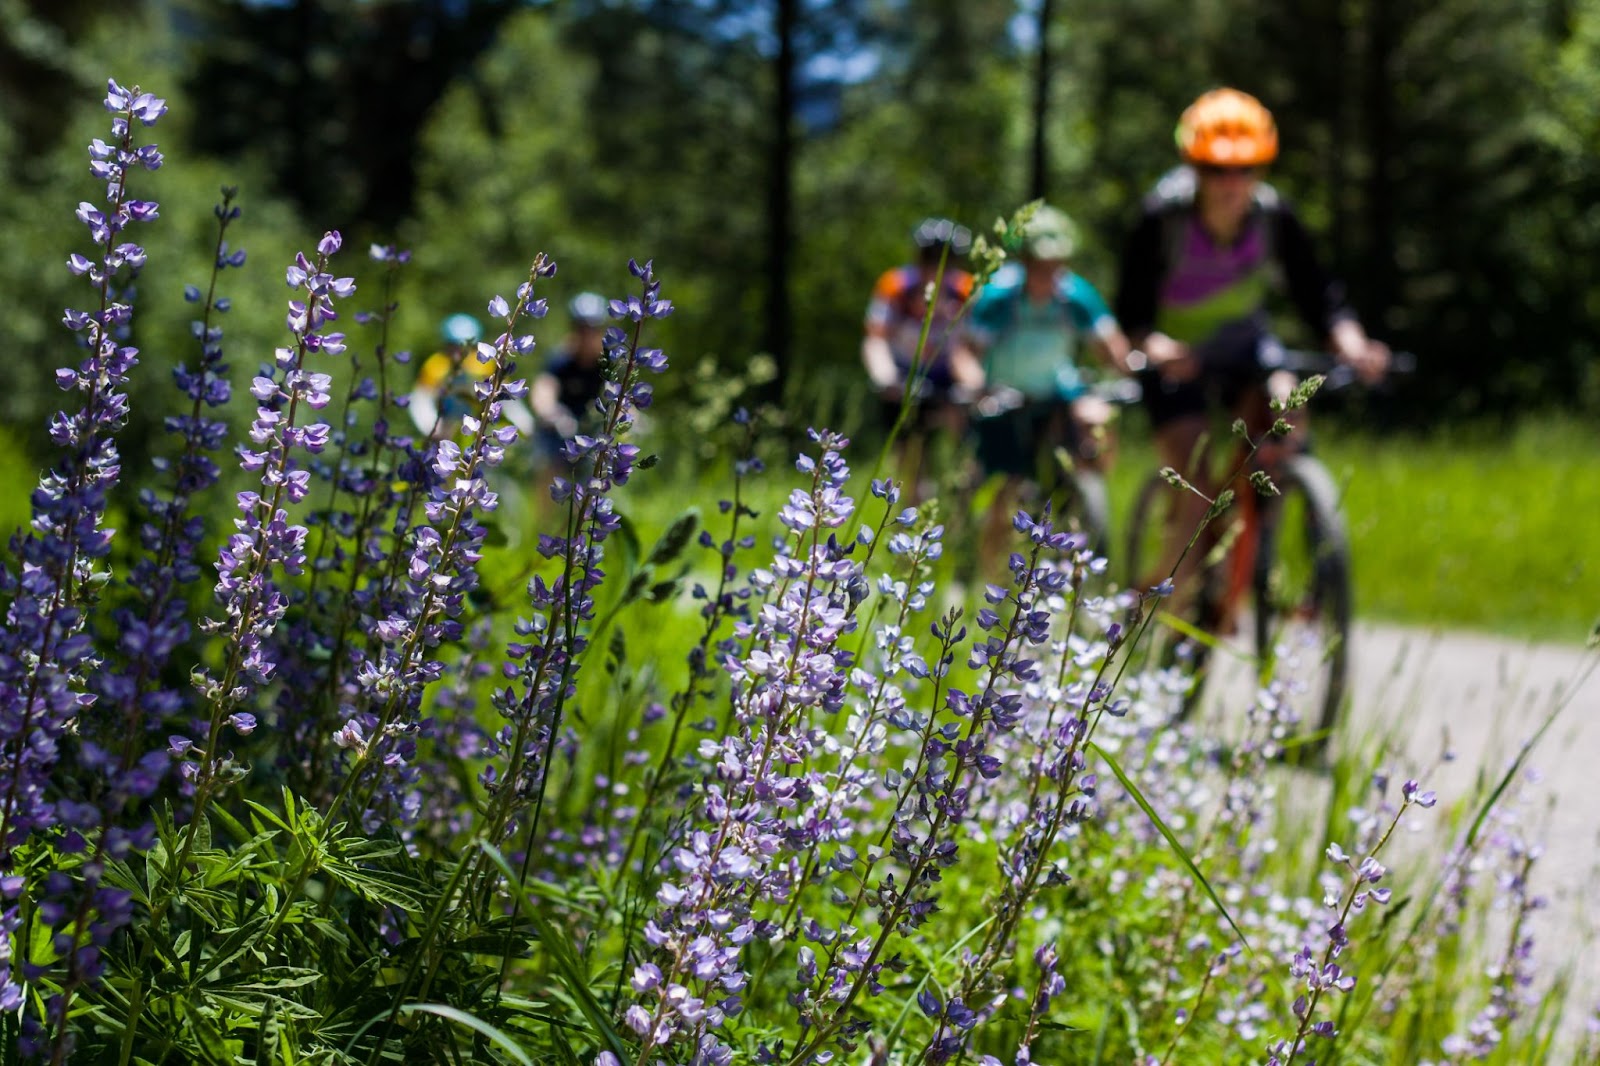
1172 841
476 1024
562 956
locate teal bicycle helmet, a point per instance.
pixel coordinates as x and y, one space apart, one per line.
461 329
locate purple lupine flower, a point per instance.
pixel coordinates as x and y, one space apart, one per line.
791 668
729 600
46 654
1312 965
355 579
440 571
267 542
1511 972
544 659
155 624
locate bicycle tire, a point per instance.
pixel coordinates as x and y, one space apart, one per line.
1146 531
1090 505
1304 529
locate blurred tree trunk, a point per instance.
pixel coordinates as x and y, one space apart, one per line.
1038 185
1378 108
780 192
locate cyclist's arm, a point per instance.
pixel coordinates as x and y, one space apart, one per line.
546 399
878 358
966 369
1093 320
1111 345
1139 278
1320 300
423 409
516 412
1317 297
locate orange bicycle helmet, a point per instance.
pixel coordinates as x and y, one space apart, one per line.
1227 128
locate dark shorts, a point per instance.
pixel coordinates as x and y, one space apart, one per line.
1167 401
1019 443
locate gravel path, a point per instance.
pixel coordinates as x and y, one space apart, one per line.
1489 696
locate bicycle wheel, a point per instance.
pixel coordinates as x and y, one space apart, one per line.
1088 505
1150 525
1302 594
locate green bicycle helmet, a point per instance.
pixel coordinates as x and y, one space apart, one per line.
1049 234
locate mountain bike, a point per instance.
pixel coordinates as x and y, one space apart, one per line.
1285 555
1069 473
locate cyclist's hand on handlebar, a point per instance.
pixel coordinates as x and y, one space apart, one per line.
1369 358
1173 360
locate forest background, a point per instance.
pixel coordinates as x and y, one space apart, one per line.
772 157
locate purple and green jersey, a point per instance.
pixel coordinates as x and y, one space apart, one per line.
1177 280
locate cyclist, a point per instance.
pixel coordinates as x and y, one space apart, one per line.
1195 279
444 386
565 392
1031 322
893 328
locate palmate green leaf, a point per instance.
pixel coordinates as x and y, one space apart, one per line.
254 1004
564 1053
476 1024
271 978
239 941
376 886
267 1035
1172 841
271 816
561 952
214 1048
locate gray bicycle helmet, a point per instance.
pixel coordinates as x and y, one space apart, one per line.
932 235
588 309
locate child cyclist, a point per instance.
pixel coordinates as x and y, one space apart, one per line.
1032 322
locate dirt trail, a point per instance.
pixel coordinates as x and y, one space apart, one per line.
1489 696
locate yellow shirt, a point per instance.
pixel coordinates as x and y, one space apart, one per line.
440 367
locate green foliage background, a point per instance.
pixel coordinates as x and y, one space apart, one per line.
1444 151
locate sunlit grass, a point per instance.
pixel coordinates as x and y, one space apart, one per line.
1462 529
1472 529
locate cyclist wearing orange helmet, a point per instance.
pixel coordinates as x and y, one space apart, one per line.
1197 272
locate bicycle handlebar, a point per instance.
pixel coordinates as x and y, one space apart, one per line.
1338 375
994 400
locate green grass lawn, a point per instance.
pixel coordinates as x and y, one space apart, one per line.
1464 529
1474 530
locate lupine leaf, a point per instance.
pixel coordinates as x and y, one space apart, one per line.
267 1038
212 1045
677 537
562 955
